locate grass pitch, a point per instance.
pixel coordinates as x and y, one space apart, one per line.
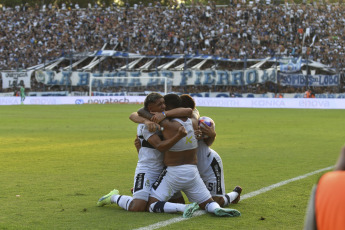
57 161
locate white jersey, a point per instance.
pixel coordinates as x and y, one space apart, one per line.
189 141
205 156
149 166
210 167
149 157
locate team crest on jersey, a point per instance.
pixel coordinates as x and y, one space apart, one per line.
147 183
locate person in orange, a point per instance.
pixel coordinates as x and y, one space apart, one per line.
326 208
307 94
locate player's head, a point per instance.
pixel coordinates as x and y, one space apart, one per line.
172 101
187 101
154 102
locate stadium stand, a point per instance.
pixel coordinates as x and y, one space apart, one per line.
30 37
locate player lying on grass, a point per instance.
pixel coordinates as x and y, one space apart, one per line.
181 172
150 164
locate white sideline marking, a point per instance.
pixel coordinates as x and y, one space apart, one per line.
245 196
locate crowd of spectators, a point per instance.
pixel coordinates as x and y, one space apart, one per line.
255 29
30 36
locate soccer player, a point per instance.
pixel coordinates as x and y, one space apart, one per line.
210 164
181 172
150 164
22 94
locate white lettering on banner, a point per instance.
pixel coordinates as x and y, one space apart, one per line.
314 104
15 79
272 103
176 78
9 100
288 103
313 80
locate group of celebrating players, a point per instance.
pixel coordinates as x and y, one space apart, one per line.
174 155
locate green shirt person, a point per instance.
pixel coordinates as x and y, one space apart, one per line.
22 94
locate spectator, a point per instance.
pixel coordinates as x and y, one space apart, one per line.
326 209
30 37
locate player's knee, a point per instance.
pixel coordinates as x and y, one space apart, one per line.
137 206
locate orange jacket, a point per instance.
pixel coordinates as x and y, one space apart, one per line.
330 201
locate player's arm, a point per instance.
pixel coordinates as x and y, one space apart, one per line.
208 131
178 112
144 113
149 124
137 143
195 114
165 145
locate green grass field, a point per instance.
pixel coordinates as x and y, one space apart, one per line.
61 159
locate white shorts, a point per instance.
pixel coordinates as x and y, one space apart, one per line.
143 181
184 178
213 177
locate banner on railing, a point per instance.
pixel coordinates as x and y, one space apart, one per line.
15 79
313 80
176 78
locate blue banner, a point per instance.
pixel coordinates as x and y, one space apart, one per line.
175 78
312 80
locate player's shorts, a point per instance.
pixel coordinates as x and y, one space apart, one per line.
143 181
184 178
213 176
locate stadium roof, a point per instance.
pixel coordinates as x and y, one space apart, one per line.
137 62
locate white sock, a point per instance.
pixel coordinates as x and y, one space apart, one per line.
174 207
122 201
210 207
167 207
228 198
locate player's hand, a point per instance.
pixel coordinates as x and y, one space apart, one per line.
157 117
137 143
207 130
151 126
198 134
182 131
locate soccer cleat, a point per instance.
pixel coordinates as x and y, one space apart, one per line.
237 189
190 209
106 199
227 212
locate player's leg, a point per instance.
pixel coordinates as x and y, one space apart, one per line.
161 192
214 181
141 192
177 198
197 192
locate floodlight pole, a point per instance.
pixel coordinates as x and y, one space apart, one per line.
306 80
166 85
90 82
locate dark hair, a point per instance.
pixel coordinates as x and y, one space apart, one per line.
172 101
151 98
187 101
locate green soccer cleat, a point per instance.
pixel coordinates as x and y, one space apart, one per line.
104 200
227 212
190 209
